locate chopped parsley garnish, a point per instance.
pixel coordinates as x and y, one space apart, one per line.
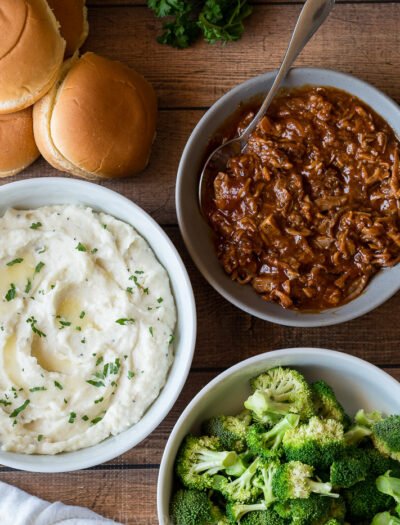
32 321
39 266
94 250
65 401
57 384
78 328
160 300
15 261
98 400
105 226
131 374
113 383
129 289
81 248
35 225
43 249
64 324
139 272
105 370
114 367
40 437
4 402
85 418
10 295
96 420
97 384
28 286
82 315
151 331
37 388
172 339
125 321
125 357
19 409
83 341
72 417
99 360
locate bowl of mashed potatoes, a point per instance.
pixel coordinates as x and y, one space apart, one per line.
97 325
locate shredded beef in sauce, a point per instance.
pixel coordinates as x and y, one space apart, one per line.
310 211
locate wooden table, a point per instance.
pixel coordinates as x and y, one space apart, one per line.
361 38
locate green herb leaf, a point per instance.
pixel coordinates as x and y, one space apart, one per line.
32 321
160 300
172 339
15 261
85 418
151 331
40 437
95 250
98 400
72 417
37 388
20 409
125 321
4 402
131 374
64 324
10 295
96 420
97 384
81 248
129 289
99 360
82 315
39 266
28 286
57 384
35 225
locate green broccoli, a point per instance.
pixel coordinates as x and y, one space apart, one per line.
242 489
192 507
241 464
265 517
259 405
385 518
293 480
390 485
356 434
326 404
264 482
267 443
364 500
386 436
317 443
314 510
368 420
230 430
349 470
236 511
379 464
199 459
285 390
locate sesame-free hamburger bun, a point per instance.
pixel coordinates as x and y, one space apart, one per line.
18 148
74 27
31 52
98 120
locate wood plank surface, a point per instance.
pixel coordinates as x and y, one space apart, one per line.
360 37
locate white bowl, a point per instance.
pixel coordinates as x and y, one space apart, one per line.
357 384
33 193
196 232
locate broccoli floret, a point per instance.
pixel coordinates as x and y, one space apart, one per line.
379 464
317 443
364 500
348 471
368 419
356 434
284 390
326 404
242 489
293 480
386 436
199 459
264 482
193 507
390 485
310 511
385 518
338 510
267 443
236 511
266 517
230 430
259 405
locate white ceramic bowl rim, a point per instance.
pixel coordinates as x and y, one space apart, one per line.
58 190
317 354
193 231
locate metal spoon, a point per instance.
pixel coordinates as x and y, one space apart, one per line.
312 15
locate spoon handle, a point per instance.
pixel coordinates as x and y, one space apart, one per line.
312 15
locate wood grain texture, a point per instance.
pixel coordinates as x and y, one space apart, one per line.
361 38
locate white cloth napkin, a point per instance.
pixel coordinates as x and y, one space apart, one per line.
19 508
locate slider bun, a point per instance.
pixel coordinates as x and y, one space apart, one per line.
72 16
18 148
31 52
98 120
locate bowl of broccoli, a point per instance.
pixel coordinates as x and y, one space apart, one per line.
297 436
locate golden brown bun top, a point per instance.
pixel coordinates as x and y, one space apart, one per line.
18 148
72 16
31 52
104 117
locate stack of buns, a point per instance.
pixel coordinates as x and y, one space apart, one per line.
89 116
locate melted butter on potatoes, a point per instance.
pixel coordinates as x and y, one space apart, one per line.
86 328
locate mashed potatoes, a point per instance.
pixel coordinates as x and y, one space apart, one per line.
86 328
